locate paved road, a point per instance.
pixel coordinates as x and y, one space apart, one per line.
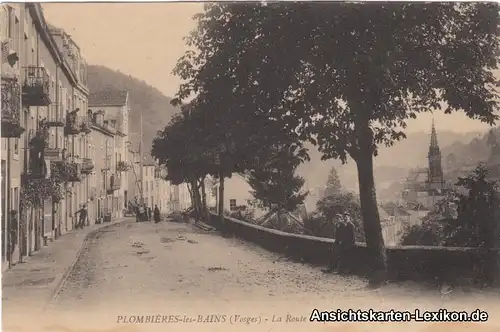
169 268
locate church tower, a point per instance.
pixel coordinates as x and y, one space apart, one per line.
435 175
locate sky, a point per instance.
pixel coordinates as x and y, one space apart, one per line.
145 40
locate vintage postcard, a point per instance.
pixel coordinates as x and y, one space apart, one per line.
250 166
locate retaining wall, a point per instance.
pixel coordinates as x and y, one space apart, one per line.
404 263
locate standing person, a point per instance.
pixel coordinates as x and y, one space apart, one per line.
347 243
82 216
137 213
149 213
338 230
13 233
157 214
22 233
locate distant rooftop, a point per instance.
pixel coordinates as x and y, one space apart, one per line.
108 98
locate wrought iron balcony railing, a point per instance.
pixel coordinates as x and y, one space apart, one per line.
38 142
115 182
56 115
87 165
74 170
36 86
11 108
73 124
86 126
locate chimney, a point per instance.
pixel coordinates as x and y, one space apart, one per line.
99 118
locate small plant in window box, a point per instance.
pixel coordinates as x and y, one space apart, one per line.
122 166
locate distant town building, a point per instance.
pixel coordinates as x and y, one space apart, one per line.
237 193
424 187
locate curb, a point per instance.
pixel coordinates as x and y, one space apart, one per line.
68 270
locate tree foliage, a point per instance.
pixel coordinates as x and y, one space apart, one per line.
474 224
465 218
340 203
347 76
275 184
36 190
333 186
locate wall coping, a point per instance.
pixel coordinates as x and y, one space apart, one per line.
359 244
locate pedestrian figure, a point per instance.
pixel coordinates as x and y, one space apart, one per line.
338 229
83 216
346 244
13 233
150 213
137 213
157 214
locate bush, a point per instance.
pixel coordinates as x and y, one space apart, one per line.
243 215
317 224
320 224
427 234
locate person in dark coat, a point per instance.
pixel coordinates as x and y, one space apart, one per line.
156 214
335 251
137 213
13 232
149 213
347 243
83 216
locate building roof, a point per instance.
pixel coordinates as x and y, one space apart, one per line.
108 97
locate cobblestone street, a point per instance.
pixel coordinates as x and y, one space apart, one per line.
175 269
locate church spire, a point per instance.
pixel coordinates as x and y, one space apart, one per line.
435 168
434 141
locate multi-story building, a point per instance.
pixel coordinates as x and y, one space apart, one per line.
102 152
41 130
148 180
115 107
72 96
154 188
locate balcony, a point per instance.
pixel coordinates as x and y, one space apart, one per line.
51 151
73 124
36 87
55 118
115 183
86 126
74 171
87 165
38 142
11 109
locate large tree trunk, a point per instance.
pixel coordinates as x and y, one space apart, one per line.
204 200
193 203
368 200
194 199
221 198
198 203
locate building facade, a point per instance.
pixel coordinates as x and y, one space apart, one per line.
114 105
237 193
42 132
102 151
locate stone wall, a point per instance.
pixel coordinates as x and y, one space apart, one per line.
404 263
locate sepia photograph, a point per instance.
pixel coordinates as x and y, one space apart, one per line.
250 166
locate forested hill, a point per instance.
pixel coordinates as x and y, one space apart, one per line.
155 107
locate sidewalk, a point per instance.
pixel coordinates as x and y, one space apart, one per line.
31 285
